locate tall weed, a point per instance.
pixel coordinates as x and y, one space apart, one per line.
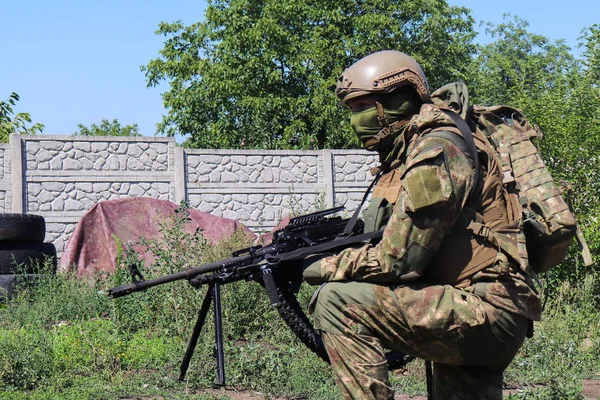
566 344
170 308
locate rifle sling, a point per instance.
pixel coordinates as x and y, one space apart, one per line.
349 228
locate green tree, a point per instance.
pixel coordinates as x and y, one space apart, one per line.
590 43
15 123
261 74
108 128
560 93
517 66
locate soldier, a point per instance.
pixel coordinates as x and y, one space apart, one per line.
446 282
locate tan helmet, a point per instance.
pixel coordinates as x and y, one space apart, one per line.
382 72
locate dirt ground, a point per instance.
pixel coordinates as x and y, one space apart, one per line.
591 391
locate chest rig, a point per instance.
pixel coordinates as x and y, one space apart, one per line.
489 223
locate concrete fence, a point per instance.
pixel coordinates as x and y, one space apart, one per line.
61 177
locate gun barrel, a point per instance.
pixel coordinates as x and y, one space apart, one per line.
125 290
189 273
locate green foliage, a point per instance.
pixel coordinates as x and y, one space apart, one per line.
53 299
555 390
108 128
15 123
100 348
590 43
146 350
517 66
560 94
91 346
25 358
565 347
260 74
168 308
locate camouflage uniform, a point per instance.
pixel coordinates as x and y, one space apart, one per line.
379 296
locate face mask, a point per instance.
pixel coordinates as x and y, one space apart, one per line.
365 124
399 106
395 107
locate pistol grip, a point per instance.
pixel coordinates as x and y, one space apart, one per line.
270 286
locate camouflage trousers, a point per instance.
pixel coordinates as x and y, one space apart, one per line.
469 341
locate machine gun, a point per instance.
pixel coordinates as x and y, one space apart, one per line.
276 266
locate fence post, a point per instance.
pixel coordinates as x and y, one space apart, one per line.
329 178
16 152
180 175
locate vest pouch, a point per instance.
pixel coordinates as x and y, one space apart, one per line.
385 195
544 249
377 215
463 253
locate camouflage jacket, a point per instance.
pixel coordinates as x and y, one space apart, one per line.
426 193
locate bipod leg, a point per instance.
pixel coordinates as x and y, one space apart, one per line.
429 374
219 335
196 332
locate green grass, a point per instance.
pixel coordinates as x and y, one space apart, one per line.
566 345
63 354
65 339
89 351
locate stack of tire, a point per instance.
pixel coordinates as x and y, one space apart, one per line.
22 251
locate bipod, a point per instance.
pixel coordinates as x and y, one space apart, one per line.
212 293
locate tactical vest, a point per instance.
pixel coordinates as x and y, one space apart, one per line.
487 226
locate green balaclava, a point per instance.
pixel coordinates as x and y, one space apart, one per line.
399 104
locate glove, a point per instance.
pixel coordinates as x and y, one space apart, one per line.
311 268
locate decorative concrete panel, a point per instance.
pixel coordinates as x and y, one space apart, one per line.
252 168
5 179
259 212
61 177
81 196
350 200
52 155
59 233
353 167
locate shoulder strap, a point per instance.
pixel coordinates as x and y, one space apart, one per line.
466 145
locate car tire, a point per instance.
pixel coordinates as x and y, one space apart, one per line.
16 258
28 228
12 284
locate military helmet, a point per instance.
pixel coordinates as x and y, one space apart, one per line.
380 73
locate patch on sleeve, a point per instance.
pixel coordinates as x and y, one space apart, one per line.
427 182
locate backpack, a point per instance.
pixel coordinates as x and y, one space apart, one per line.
548 221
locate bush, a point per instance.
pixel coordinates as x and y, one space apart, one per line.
172 307
25 358
88 347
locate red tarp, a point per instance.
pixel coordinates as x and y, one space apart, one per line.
92 248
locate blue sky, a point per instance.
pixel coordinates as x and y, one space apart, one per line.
79 61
